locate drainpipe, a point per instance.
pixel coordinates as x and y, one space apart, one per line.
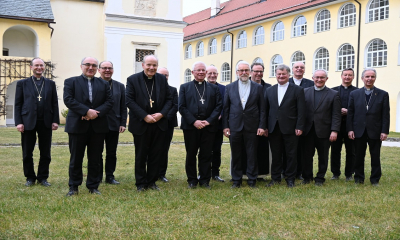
52 29
231 54
358 42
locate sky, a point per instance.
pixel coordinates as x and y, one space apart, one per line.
194 6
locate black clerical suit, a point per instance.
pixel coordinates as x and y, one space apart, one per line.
342 137
218 139
172 122
116 118
37 117
243 124
88 133
368 124
192 109
149 138
305 83
323 115
282 122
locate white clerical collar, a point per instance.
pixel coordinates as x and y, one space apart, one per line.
319 89
283 85
88 78
244 82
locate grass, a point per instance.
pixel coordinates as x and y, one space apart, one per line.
338 210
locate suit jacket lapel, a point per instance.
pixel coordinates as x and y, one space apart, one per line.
324 93
288 93
275 95
31 86
157 90
46 88
84 86
235 90
374 95
142 84
252 93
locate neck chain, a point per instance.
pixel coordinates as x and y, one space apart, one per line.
152 86
201 96
41 89
367 103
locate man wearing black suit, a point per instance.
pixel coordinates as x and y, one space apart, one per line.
200 105
212 75
243 120
89 100
368 120
323 118
336 147
286 115
149 100
116 120
36 111
172 123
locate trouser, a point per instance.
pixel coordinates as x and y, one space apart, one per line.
164 158
216 153
111 141
336 149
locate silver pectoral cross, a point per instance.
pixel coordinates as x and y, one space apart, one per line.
39 97
151 103
202 100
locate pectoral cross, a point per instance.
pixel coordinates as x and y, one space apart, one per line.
202 100
151 103
39 97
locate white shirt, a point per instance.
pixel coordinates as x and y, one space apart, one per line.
244 91
281 91
297 81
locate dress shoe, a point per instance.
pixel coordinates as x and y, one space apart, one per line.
290 184
45 183
192 185
319 184
358 181
375 184
335 177
272 183
299 177
252 185
348 179
163 179
205 185
218 179
235 185
141 188
29 183
304 182
94 191
153 186
112 181
72 191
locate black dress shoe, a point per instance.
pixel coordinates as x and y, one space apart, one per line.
141 188
72 191
112 181
218 179
335 177
94 191
375 184
192 185
235 185
304 182
290 184
205 185
153 186
29 183
358 181
299 177
45 183
252 185
319 184
272 183
348 179
163 179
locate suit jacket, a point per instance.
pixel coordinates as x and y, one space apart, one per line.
138 102
338 88
326 116
305 83
172 118
290 114
25 107
76 98
375 120
252 117
265 87
188 105
222 92
117 115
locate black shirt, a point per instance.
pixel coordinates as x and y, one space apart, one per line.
201 114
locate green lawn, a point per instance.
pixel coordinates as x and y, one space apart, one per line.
338 210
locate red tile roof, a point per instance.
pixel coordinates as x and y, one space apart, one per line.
236 13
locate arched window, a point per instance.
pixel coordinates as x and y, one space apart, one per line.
259 36
226 43
200 49
377 53
213 46
188 52
188 75
300 26
298 57
276 60
347 17
378 10
321 60
278 31
226 73
258 60
242 39
346 57
323 21
20 41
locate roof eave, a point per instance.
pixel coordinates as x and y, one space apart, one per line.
28 19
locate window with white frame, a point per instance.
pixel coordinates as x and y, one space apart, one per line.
259 36
377 53
278 31
276 60
323 21
258 60
226 43
226 73
347 16
346 57
242 40
213 46
378 10
321 60
200 49
298 57
188 52
300 26
188 75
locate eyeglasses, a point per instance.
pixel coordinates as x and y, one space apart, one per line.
107 68
243 70
257 71
200 70
90 65
212 73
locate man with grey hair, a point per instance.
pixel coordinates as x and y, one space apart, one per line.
200 105
286 116
243 120
323 119
368 120
88 100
